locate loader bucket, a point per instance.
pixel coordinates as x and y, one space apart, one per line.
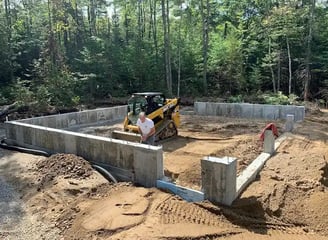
127 136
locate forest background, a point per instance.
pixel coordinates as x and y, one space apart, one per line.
68 52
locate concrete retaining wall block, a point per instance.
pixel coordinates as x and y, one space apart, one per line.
250 111
69 120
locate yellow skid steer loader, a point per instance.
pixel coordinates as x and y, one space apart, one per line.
164 113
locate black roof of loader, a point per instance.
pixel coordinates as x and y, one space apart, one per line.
148 93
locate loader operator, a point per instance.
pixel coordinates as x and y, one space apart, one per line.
146 129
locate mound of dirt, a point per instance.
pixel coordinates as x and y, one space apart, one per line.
245 150
66 165
293 185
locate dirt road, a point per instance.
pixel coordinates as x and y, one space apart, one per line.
288 201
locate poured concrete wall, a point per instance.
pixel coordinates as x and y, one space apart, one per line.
142 161
246 110
71 120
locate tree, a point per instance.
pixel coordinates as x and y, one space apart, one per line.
99 48
167 45
307 79
204 10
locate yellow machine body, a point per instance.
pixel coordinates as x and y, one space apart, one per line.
164 113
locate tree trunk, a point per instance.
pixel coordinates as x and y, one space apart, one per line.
271 69
155 31
139 22
126 24
279 71
8 17
289 67
8 26
151 22
109 30
92 17
205 40
139 42
143 19
169 45
68 50
51 40
166 47
179 51
309 54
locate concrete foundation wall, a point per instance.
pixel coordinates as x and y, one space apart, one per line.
246 110
219 179
74 119
146 162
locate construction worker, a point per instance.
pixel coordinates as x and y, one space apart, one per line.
146 129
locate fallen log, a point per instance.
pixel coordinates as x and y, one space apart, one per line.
7 109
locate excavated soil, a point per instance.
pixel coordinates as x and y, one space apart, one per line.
68 166
288 200
201 136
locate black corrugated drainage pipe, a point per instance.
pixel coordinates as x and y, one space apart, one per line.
105 173
101 170
4 145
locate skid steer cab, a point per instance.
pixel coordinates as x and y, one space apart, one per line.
164 113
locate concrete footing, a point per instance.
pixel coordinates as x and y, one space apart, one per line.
187 194
250 173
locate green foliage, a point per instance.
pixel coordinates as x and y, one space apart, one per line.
59 89
76 100
22 93
235 99
255 79
3 99
226 61
43 96
60 54
278 99
192 86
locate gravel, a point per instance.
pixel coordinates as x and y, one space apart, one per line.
10 207
15 221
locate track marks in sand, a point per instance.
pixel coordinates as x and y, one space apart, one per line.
254 223
272 235
174 210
